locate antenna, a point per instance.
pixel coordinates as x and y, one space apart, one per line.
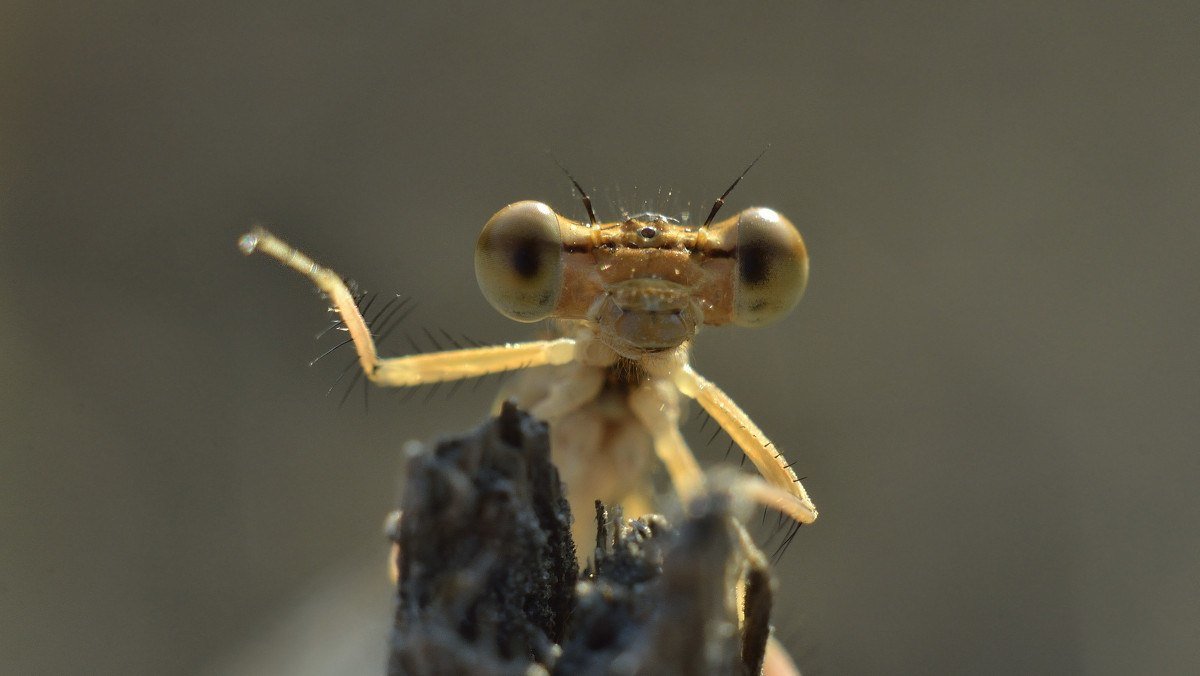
721 200
587 201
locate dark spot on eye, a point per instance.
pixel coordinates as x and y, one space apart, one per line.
526 258
648 231
754 262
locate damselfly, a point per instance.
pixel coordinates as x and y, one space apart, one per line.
627 297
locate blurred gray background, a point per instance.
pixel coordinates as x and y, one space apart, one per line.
992 383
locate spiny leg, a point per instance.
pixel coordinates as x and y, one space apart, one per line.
756 490
418 369
471 362
784 492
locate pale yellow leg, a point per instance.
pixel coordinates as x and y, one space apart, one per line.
785 491
418 369
421 369
656 405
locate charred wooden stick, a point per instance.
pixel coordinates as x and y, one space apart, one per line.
488 582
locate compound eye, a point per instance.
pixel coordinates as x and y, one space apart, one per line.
771 267
518 261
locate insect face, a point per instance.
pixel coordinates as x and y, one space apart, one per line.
646 283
